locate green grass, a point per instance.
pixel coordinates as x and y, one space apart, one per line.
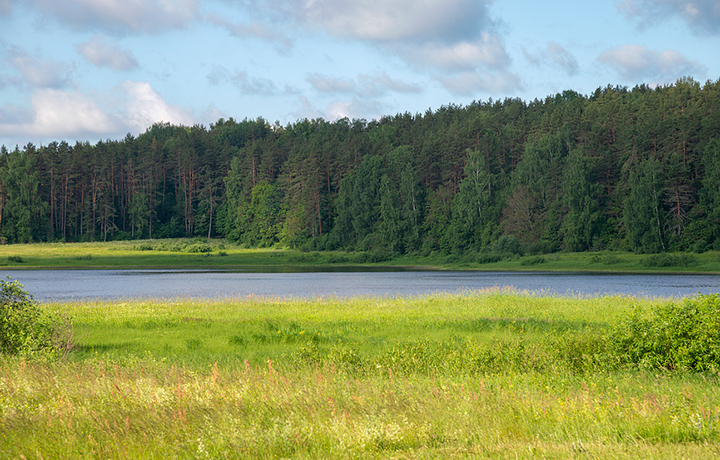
492 374
220 254
259 329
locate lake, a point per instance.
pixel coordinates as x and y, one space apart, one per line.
49 285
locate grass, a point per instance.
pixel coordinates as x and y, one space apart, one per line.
218 254
492 374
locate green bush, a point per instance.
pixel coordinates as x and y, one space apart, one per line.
27 330
198 248
682 336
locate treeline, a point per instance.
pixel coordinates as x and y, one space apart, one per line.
635 169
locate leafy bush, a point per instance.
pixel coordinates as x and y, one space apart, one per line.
16 259
27 330
682 336
198 248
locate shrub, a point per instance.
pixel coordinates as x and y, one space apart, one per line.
16 259
27 330
198 248
682 336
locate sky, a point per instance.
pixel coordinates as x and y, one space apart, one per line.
90 70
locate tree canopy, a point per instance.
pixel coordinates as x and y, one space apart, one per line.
637 169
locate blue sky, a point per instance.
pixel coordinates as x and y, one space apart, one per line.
99 69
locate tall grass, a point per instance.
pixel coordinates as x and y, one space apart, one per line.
492 374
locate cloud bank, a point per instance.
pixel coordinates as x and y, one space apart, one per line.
456 41
61 113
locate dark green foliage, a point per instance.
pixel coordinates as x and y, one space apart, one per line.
644 217
21 185
474 211
507 244
580 198
635 169
710 193
25 329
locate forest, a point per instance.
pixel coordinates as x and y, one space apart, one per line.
634 169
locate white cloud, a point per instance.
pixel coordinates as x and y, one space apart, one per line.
452 37
639 64
100 52
59 114
703 16
144 107
39 72
391 20
488 53
121 16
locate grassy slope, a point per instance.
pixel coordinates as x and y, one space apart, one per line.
123 254
457 376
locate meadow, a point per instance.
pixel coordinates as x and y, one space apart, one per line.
489 374
218 254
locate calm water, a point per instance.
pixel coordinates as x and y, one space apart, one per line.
105 284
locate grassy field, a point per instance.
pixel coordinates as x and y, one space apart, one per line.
216 254
493 374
